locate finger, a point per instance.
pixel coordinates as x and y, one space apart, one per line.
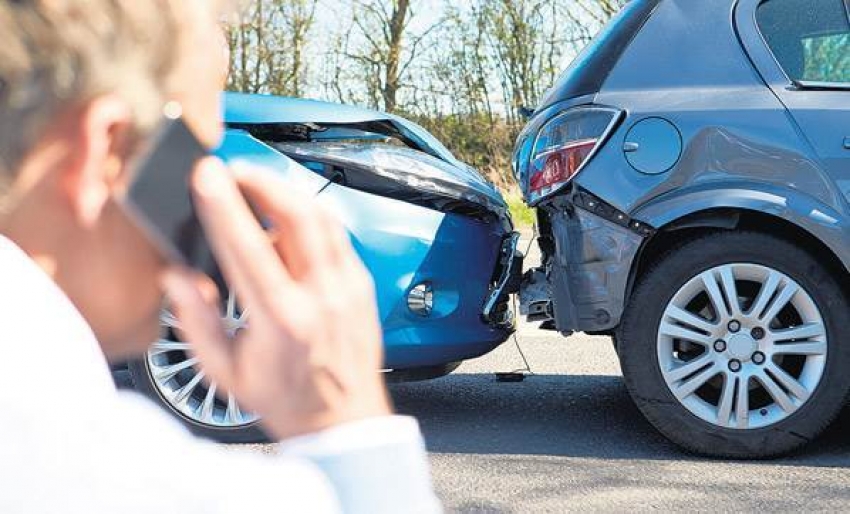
196 305
242 248
307 242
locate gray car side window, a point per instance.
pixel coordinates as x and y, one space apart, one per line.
809 38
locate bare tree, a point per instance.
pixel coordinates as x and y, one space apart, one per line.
528 41
458 73
463 72
298 17
587 16
600 11
267 45
389 48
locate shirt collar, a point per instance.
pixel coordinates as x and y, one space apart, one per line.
48 348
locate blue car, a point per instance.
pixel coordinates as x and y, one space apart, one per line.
435 234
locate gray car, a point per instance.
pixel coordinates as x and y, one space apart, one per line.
691 173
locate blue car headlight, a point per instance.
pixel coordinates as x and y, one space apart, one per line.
403 174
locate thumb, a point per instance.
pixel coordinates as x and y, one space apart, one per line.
196 305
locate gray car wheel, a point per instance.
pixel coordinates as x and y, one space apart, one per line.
758 364
731 346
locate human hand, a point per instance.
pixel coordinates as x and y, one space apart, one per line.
311 354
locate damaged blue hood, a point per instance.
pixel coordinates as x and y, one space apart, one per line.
247 109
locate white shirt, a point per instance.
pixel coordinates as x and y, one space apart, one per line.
69 442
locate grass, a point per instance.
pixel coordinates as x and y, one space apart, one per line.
523 215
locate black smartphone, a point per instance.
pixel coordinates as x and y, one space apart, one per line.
159 200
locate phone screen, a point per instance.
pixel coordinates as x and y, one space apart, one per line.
160 198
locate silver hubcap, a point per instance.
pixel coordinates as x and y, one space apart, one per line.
742 346
183 385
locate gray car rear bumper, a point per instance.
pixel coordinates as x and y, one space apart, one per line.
587 277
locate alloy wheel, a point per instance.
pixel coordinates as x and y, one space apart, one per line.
183 385
742 346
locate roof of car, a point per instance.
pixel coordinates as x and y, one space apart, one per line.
684 44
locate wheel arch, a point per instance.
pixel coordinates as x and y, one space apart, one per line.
810 231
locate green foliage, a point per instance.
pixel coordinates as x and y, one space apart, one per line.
523 215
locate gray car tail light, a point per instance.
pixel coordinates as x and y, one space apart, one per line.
565 145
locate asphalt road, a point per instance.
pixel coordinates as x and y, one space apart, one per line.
569 439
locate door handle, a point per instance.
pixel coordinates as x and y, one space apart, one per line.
847 143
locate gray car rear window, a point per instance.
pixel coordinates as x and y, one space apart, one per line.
809 38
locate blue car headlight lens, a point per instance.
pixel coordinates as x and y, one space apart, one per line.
404 174
565 145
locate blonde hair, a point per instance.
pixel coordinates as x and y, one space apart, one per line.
56 54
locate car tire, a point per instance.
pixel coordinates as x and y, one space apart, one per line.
143 383
169 374
737 413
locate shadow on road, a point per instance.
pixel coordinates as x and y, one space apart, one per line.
558 415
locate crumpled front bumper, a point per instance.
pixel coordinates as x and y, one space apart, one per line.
468 260
497 309
404 245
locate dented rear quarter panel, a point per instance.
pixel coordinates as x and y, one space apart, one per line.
741 147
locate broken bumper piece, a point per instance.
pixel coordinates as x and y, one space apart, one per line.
582 287
497 308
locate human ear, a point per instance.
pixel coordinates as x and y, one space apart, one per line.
98 158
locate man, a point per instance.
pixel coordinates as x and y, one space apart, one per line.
82 82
